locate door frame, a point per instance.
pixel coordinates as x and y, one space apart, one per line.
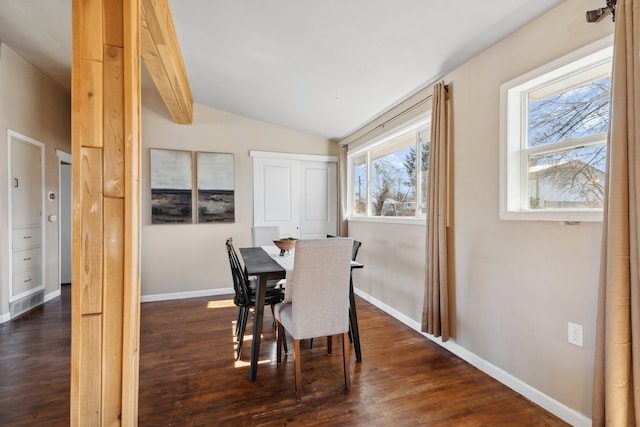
63 158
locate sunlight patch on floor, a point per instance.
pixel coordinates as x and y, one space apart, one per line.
221 304
244 364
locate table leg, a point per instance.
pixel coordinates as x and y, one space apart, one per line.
261 290
353 320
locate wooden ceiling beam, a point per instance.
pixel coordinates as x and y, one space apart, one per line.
162 56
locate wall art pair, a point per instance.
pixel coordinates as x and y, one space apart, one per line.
174 197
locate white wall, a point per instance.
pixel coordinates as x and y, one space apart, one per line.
517 283
34 106
191 258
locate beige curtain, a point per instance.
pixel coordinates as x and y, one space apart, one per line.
343 225
435 313
616 394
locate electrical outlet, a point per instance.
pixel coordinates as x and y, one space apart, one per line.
575 334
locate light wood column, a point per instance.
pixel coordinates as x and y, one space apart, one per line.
106 200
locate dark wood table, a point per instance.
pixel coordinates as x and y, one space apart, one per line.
259 263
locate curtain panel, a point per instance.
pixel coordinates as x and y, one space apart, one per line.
343 225
435 314
616 394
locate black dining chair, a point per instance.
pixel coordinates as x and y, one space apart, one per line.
245 297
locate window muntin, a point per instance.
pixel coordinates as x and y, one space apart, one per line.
395 187
554 148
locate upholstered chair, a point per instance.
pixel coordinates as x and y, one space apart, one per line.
317 299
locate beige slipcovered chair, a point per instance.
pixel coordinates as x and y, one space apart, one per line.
317 299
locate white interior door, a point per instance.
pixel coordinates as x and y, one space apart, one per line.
26 182
276 186
318 199
297 193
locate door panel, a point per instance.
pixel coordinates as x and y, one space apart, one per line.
277 190
26 185
275 187
318 210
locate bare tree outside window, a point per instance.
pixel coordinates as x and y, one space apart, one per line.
390 193
386 179
567 147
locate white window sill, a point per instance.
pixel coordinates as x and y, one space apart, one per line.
389 219
553 215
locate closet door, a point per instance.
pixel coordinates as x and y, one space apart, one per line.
275 195
296 193
27 189
318 204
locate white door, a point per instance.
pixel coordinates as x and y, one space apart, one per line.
318 199
27 199
297 193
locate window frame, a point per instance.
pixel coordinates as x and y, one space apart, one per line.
419 124
513 145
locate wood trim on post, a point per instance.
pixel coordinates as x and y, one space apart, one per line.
162 56
106 198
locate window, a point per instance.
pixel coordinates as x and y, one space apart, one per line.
387 180
554 141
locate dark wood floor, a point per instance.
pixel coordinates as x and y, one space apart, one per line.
188 376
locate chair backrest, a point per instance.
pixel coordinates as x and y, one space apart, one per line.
320 297
265 235
356 247
240 283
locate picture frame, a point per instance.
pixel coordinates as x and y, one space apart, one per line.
215 187
171 186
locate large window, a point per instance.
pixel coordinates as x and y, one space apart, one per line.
554 141
388 176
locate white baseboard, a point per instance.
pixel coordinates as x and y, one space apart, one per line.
5 317
184 295
52 295
560 410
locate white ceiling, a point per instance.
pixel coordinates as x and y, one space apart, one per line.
321 67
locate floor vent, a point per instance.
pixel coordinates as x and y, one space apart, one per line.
25 304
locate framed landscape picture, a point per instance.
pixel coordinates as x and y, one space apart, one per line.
216 195
171 187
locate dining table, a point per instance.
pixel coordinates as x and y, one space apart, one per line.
268 263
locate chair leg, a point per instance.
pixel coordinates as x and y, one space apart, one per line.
329 346
273 315
346 359
238 321
310 343
243 327
279 336
296 364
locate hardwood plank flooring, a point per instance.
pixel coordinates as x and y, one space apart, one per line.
188 375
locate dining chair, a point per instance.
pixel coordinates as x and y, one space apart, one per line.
245 297
264 235
354 255
317 301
